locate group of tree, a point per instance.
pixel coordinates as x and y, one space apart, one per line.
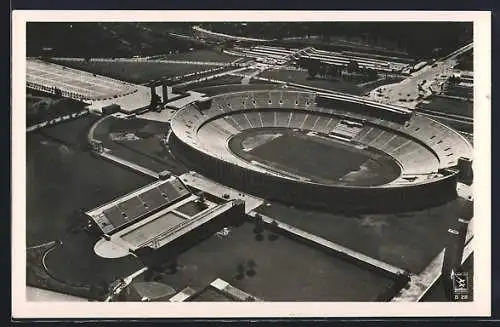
454 79
418 39
103 39
317 68
121 39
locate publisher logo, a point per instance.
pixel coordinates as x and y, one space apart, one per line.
461 286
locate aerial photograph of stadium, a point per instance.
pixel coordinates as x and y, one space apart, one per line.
249 161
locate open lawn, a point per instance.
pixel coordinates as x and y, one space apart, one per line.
302 77
201 86
62 177
448 106
274 268
146 150
218 89
43 108
201 55
134 72
407 240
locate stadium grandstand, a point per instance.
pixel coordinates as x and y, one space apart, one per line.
422 150
161 213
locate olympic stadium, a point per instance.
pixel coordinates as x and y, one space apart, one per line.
296 146
236 179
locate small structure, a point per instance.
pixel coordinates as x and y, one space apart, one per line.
166 91
97 146
110 109
465 170
164 175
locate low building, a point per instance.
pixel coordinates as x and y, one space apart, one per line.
159 221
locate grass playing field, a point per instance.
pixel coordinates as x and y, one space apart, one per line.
300 154
318 159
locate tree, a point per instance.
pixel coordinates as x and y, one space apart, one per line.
312 72
251 263
352 66
313 66
240 268
371 74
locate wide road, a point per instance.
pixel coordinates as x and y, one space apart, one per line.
407 91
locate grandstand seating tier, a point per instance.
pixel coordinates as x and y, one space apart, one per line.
421 146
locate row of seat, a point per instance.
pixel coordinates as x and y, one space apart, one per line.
413 157
448 145
144 203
